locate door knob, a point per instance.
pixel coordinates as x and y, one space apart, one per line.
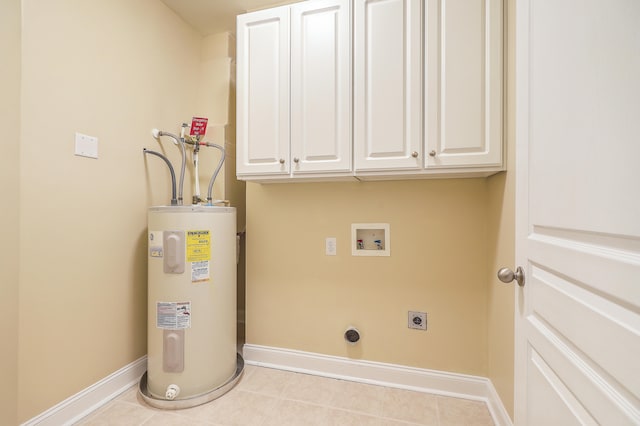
506 275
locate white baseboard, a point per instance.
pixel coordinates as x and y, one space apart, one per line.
90 399
422 380
377 373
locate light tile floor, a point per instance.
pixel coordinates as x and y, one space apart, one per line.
268 397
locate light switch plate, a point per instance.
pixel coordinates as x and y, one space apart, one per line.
86 146
330 246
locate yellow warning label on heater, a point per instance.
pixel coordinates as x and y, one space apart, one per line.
198 246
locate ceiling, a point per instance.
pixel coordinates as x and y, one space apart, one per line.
217 16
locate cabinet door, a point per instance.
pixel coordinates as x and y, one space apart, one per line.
262 87
387 84
463 83
320 86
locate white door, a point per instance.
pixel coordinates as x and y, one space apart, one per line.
262 87
387 84
321 86
578 212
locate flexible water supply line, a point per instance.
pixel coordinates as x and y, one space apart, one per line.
217 170
174 201
180 142
196 173
215 173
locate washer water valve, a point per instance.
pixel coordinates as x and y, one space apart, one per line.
172 392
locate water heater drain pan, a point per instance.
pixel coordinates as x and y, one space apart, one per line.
194 401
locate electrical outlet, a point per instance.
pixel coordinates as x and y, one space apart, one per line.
417 320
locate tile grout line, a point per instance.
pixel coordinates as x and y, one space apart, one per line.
333 407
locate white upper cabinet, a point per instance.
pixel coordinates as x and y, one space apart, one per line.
321 87
294 91
387 84
371 89
262 87
463 84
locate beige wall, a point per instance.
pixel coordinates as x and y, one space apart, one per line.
299 298
214 93
9 212
501 216
501 296
112 69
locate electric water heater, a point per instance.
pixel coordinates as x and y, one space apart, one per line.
191 303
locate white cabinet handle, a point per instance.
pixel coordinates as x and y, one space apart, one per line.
282 161
296 160
432 153
414 154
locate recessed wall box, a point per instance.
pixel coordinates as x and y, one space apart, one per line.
370 239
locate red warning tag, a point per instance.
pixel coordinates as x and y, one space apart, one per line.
198 126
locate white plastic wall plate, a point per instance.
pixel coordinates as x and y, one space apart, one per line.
86 146
330 246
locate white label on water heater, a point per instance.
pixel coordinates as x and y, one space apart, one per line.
173 315
155 244
200 271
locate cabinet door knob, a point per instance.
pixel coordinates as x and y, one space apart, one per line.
432 153
296 160
282 161
414 154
